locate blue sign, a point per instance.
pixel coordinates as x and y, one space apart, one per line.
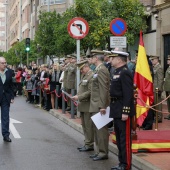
118 27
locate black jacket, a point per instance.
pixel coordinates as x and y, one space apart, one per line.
7 88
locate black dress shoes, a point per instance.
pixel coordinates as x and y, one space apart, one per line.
168 117
99 158
93 156
85 149
7 139
80 147
147 128
118 167
68 109
114 167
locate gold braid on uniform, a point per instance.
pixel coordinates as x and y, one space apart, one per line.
126 110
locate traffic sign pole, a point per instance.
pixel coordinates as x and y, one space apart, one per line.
78 28
78 59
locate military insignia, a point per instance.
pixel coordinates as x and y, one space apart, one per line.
85 81
116 76
95 76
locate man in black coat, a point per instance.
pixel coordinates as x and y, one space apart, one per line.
6 97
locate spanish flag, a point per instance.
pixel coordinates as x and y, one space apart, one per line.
143 81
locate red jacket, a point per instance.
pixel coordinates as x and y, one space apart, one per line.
18 77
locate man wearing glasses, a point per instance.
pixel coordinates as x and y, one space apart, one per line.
6 97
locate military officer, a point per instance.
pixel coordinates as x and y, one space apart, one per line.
167 85
99 101
72 70
92 66
83 96
67 61
158 79
122 108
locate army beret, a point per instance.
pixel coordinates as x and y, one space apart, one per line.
119 54
153 57
168 58
81 64
95 52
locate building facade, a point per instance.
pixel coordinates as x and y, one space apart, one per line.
22 17
2 25
161 14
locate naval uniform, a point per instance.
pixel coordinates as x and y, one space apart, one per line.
122 102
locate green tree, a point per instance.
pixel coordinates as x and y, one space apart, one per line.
53 38
44 37
17 53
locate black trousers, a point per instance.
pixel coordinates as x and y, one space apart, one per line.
123 140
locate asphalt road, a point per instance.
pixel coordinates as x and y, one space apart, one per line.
46 143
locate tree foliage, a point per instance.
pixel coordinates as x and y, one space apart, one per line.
44 36
52 38
17 53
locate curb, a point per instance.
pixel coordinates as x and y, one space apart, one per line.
136 161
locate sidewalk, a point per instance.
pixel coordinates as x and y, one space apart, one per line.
143 160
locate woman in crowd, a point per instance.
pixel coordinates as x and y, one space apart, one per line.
54 80
29 86
19 80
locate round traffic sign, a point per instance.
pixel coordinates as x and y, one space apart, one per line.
78 28
118 26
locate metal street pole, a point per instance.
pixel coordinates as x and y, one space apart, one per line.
78 59
48 5
27 58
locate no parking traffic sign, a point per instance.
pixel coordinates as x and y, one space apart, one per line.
118 26
78 28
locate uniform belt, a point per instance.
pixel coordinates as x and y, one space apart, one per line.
114 99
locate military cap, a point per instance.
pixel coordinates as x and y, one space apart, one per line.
112 55
106 53
153 57
89 56
119 54
69 56
168 57
148 56
95 52
73 55
81 64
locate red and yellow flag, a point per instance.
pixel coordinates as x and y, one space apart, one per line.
143 80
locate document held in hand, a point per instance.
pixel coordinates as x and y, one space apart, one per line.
101 120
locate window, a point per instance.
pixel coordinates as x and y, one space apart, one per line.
2 14
2 43
2 23
2 33
149 23
45 2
